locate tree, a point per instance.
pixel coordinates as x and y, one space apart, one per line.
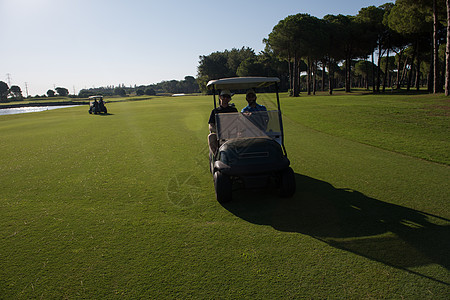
221 64
291 39
210 67
189 84
235 57
189 79
281 41
433 8
447 53
120 91
411 23
272 65
315 38
435 48
372 18
16 92
4 90
150 92
387 64
51 93
250 67
171 86
364 69
378 35
419 19
333 53
349 42
63 92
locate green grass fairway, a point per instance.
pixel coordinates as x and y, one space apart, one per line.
123 206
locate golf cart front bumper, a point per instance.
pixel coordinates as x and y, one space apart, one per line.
251 170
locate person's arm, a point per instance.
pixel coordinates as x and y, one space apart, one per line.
211 121
212 127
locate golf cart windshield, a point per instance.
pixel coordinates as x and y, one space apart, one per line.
93 98
242 125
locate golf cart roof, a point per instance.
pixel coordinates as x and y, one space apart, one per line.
242 82
96 97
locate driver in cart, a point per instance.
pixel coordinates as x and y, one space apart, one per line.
224 107
252 105
255 112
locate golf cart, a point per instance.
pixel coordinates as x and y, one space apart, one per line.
96 105
251 152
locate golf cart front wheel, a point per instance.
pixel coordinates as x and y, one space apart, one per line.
287 183
223 187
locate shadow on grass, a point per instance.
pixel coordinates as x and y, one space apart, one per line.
346 219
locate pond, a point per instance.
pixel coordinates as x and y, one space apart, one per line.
23 110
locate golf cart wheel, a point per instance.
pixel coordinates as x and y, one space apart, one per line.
287 183
223 187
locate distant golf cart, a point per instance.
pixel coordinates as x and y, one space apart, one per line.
97 105
251 152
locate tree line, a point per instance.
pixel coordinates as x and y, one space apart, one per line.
392 45
14 93
188 85
401 45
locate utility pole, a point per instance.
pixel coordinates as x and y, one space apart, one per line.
26 88
8 77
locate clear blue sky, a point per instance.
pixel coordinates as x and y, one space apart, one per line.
80 44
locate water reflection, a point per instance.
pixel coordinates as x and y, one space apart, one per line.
22 110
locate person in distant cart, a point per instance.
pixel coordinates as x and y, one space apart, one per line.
96 107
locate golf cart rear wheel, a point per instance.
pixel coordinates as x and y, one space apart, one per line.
222 185
287 183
